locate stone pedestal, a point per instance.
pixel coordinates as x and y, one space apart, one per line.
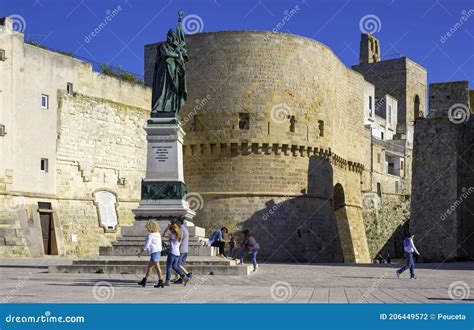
163 192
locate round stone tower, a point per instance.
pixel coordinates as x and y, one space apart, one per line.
275 143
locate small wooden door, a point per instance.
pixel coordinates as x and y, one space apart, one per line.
46 229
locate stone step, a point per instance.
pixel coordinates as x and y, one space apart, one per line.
119 249
7 221
142 239
138 229
143 261
140 242
217 267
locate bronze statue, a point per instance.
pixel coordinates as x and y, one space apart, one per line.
169 92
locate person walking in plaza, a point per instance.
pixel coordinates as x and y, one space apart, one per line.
183 251
153 248
250 246
175 239
409 248
217 239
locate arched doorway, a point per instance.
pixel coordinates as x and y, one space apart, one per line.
343 228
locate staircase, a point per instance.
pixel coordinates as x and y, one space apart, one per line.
121 256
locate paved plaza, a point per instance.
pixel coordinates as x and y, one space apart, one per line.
28 281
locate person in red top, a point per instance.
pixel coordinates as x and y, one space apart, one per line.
249 245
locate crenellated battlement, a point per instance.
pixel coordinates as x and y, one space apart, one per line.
246 148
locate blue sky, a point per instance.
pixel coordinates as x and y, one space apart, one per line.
416 28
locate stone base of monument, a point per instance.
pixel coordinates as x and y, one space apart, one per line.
133 238
137 266
121 256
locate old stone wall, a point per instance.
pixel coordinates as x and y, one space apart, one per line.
101 146
443 189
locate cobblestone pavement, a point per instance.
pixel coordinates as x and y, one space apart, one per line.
27 280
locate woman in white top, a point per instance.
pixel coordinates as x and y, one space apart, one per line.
153 248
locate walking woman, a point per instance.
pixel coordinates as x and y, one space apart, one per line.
250 246
172 263
409 248
153 248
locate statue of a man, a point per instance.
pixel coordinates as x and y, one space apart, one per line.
169 92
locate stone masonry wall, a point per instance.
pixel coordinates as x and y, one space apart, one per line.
443 189
299 103
101 146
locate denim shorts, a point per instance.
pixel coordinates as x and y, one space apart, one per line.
182 259
155 257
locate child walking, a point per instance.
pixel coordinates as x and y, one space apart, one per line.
153 248
172 263
250 246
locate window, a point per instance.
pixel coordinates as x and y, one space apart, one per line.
389 114
379 160
381 135
44 101
2 55
44 165
379 189
321 127
69 88
244 121
396 187
292 124
370 102
401 165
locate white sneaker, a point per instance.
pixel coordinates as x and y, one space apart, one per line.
256 266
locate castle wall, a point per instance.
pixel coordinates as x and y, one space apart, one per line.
443 189
271 77
403 79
